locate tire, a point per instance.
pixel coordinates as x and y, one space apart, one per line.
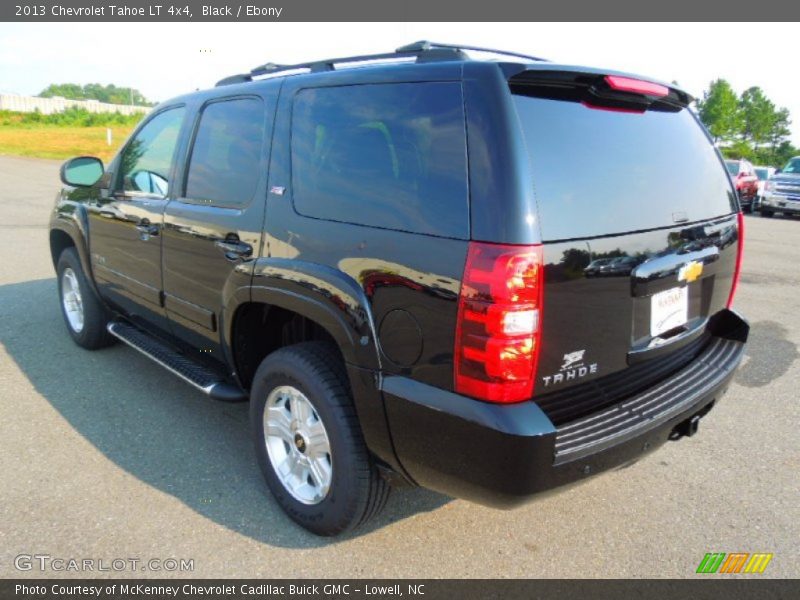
355 492
84 315
766 213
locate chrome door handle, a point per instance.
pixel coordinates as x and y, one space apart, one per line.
234 249
146 229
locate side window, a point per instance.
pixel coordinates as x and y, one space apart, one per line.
225 164
383 155
147 159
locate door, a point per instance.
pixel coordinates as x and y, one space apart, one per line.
125 225
213 229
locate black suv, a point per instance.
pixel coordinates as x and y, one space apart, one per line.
387 255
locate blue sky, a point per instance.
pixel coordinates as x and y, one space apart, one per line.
163 60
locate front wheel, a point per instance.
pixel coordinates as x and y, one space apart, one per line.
308 441
766 213
84 315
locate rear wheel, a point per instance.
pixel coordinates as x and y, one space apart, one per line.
84 315
308 440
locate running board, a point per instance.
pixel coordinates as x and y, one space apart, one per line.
192 372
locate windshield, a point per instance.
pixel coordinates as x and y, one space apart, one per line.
600 172
733 167
762 173
793 166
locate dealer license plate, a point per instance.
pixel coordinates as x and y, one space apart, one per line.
668 309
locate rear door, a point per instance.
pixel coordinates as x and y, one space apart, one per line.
213 228
642 184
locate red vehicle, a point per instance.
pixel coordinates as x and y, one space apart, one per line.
746 181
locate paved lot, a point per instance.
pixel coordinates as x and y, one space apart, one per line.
106 455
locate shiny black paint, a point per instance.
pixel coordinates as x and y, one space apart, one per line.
388 298
69 225
125 232
200 242
390 269
503 206
502 455
609 316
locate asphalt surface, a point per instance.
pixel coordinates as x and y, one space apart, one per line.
104 455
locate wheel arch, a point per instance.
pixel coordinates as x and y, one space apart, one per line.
65 235
337 305
321 294
69 226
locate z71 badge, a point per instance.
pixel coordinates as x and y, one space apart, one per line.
572 368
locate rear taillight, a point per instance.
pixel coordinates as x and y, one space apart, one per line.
739 250
499 322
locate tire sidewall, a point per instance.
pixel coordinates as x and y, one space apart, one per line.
69 259
342 501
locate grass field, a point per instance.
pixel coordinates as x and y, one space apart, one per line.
54 141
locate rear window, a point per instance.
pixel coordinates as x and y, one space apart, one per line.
383 155
598 172
733 167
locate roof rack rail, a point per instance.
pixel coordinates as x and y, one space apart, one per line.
422 51
424 45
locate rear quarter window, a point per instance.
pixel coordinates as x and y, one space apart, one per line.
600 172
225 164
382 155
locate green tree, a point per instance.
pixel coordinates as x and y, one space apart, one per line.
758 115
780 148
719 109
95 91
66 90
781 155
749 126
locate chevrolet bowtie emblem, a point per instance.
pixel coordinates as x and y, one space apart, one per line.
690 271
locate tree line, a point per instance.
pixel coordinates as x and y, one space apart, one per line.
95 91
748 125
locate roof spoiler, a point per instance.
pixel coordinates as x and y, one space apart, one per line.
597 89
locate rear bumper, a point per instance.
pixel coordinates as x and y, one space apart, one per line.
501 455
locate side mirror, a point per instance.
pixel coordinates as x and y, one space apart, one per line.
777 171
83 171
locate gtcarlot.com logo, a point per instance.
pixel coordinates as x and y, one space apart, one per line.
46 562
735 562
